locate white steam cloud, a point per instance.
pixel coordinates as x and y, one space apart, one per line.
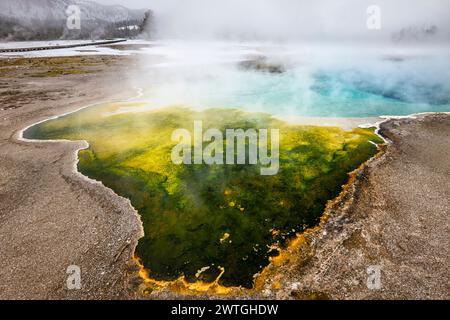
378 73
294 20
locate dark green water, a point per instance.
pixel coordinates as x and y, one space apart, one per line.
216 216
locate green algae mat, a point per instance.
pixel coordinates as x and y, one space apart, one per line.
201 219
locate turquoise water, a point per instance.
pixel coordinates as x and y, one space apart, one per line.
349 93
352 87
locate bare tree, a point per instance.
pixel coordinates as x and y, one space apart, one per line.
147 26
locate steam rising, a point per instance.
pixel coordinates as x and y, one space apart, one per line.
331 64
293 20
312 81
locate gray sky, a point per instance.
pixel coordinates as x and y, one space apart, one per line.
290 18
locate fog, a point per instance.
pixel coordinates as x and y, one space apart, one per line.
308 81
294 20
331 63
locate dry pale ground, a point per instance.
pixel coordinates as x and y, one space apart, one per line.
395 214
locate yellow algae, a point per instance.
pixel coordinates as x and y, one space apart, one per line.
186 210
225 236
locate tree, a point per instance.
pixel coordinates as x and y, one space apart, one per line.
147 25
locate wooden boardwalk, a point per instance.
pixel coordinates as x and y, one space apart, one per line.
60 47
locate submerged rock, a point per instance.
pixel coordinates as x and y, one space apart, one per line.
263 65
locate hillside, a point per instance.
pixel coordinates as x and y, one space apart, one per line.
46 19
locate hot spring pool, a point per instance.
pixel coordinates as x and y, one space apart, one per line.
222 220
205 221
301 82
